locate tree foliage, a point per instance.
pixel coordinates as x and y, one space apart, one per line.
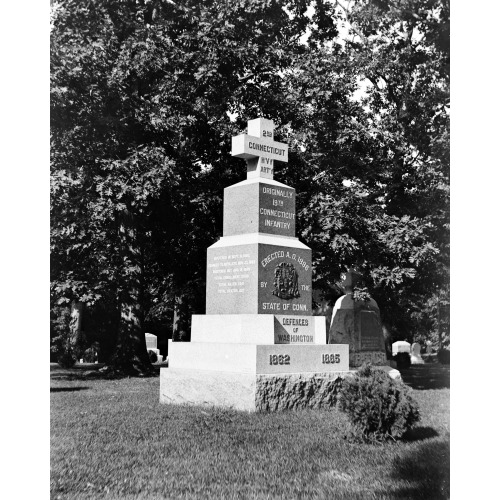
376 189
141 99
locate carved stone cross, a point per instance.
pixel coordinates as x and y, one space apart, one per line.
259 148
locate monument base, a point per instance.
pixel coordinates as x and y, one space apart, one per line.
253 392
250 392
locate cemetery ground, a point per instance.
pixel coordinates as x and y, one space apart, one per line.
112 439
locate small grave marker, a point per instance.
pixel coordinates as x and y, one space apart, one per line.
416 358
151 345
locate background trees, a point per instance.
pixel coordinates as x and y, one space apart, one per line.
145 98
378 165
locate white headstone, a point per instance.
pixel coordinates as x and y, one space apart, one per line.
415 357
151 345
400 346
150 341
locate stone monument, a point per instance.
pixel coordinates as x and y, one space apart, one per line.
415 357
258 347
357 323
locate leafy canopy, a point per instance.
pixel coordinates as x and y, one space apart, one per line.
141 99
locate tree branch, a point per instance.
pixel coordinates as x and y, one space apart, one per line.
353 26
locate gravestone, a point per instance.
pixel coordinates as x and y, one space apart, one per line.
400 346
416 358
258 347
151 341
151 345
357 323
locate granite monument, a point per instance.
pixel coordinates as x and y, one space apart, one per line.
258 347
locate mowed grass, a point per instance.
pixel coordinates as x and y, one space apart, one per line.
112 439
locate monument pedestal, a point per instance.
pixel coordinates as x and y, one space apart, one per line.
250 362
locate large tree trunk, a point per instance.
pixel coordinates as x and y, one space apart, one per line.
440 339
130 356
77 339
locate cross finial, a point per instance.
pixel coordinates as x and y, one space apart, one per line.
259 148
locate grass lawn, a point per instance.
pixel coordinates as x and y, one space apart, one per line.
112 439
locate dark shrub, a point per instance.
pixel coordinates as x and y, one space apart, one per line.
378 407
92 354
444 356
403 360
66 359
152 356
88 355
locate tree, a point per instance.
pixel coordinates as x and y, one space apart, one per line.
378 165
141 99
140 143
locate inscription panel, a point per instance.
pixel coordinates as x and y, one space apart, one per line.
232 280
293 329
371 336
248 146
285 280
295 358
276 210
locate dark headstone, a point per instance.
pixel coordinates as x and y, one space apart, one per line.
357 323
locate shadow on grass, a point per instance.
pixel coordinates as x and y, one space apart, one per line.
426 469
419 434
68 389
87 371
428 376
